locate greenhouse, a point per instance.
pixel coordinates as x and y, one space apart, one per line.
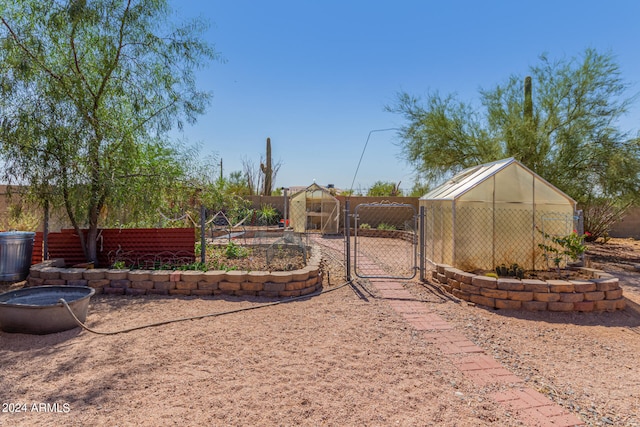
314 209
493 214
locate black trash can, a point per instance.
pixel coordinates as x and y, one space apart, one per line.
16 248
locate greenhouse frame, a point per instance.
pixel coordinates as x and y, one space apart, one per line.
494 214
314 209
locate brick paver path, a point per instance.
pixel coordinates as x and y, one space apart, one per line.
532 407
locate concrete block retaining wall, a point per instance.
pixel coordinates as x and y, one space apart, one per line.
167 282
408 236
599 292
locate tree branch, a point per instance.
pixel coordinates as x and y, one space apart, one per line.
76 61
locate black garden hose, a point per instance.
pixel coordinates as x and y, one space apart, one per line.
202 316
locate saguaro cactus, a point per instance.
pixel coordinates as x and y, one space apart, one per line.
528 100
530 154
267 170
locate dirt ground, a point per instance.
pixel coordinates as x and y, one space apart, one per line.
340 358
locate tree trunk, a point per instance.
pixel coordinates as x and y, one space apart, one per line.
91 243
45 231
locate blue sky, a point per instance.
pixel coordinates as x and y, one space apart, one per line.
315 76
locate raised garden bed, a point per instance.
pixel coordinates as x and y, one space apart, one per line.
598 291
273 284
264 257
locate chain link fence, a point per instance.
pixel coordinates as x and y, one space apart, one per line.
478 238
384 242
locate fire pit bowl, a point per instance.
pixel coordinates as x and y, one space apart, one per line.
37 310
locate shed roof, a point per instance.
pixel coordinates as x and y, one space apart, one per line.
470 178
313 188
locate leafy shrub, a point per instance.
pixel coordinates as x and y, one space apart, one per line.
571 245
365 226
385 226
233 250
268 215
600 215
119 265
19 218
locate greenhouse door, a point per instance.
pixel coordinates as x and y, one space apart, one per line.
385 241
329 224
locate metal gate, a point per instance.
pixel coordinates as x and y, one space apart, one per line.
384 242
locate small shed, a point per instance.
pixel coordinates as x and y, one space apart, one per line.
314 209
494 214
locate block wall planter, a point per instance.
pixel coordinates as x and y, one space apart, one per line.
599 292
277 284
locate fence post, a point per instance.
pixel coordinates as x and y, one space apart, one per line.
203 244
45 232
286 213
578 223
347 239
421 242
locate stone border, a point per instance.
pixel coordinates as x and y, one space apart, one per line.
408 236
276 284
600 292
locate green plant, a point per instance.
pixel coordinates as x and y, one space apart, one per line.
364 226
233 250
19 218
571 246
384 189
514 270
162 266
89 145
218 265
501 270
520 273
588 83
600 214
199 266
119 265
385 226
267 215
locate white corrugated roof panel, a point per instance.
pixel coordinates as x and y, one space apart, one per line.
471 177
465 180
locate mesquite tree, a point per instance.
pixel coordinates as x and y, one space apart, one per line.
89 90
565 129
